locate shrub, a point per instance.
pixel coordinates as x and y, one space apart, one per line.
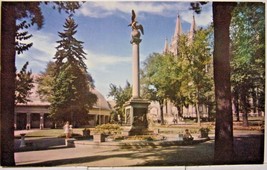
108 129
204 130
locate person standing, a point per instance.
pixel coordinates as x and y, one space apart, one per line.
67 129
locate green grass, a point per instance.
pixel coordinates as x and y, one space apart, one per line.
51 133
46 133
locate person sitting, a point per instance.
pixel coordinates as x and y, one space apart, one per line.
187 136
175 120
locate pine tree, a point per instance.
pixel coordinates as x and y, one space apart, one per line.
12 12
70 50
23 84
71 97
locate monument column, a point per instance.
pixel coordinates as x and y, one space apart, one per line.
136 109
135 69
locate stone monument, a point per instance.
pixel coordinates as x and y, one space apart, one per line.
136 108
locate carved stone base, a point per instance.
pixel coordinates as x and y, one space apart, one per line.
136 117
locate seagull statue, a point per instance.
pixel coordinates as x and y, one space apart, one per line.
134 25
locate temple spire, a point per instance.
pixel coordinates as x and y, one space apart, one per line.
193 29
166 47
175 38
178 27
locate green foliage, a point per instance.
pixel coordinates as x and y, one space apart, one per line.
45 82
12 13
121 96
71 97
184 79
23 84
197 6
248 55
144 137
69 48
155 79
200 70
204 130
108 129
29 14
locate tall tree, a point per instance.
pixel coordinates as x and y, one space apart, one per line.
12 12
71 96
24 84
156 80
222 14
8 32
195 57
248 57
224 117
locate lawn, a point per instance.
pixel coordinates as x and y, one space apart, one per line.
50 133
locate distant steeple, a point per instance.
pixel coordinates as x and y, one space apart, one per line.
192 30
166 47
177 33
178 27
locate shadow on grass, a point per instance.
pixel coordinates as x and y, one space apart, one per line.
165 156
248 150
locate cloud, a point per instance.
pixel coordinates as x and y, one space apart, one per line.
43 48
103 61
103 9
42 51
202 19
167 9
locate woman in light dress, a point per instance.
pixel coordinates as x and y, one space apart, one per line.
67 129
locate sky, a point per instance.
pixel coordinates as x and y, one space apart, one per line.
102 26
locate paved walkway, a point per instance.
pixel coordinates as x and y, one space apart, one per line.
86 156
108 156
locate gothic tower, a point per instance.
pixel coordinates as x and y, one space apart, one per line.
192 32
177 33
173 47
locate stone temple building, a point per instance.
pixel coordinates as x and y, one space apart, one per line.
35 114
169 110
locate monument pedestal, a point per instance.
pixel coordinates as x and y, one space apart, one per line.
136 117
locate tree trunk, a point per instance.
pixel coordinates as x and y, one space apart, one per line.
179 110
254 99
161 115
7 84
244 110
223 153
236 104
198 114
161 103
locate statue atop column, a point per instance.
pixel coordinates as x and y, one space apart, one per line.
135 29
136 108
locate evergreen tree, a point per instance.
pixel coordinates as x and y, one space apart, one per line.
70 50
12 12
24 84
71 97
